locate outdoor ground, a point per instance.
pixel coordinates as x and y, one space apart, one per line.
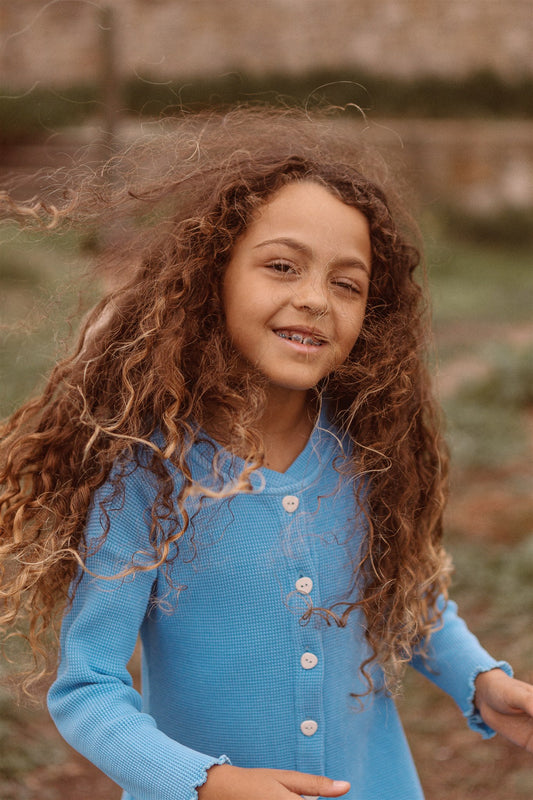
484 333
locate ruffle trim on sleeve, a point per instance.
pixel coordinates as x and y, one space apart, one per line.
203 776
473 717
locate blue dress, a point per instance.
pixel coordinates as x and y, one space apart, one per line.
230 671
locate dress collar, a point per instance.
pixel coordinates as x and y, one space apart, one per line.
324 443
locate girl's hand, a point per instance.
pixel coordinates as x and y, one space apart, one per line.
506 705
225 782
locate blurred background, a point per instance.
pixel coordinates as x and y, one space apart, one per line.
444 89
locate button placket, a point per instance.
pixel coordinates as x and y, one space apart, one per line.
309 680
302 593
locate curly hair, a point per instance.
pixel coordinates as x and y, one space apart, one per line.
154 355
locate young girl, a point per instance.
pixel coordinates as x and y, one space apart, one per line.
241 462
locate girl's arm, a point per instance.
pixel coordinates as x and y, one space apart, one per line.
506 706
455 662
92 701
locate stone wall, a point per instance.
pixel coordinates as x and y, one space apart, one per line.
475 165
57 41
481 166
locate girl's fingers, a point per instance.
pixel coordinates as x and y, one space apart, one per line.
506 705
522 697
226 782
312 786
505 694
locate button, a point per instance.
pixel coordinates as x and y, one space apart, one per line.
290 503
304 585
309 797
309 727
308 660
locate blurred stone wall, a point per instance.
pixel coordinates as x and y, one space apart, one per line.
479 166
57 41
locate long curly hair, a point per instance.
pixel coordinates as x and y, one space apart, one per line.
154 355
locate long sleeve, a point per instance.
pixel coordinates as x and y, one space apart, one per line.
92 701
454 660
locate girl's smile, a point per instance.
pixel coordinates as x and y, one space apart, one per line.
301 336
296 286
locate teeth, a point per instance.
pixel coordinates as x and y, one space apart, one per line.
297 337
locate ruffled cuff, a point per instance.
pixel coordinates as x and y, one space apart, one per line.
473 717
203 776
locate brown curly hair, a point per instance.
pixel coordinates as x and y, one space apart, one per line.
154 355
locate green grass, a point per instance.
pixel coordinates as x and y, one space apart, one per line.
476 283
482 294
487 415
39 283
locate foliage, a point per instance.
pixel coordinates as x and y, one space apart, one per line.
43 110
508 227
483 94
474 283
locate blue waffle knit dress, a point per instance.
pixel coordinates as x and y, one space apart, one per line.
230 671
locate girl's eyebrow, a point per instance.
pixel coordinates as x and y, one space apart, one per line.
294 244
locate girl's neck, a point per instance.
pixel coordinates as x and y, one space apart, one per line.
285 428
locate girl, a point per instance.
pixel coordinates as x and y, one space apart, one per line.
241 461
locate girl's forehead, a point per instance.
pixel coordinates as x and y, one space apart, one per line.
303 197
309 213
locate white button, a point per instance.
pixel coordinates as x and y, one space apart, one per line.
304 585
290 503
309 797
309 727
308 660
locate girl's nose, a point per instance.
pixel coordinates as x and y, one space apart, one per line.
312 297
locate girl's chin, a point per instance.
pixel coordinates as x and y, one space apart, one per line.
291 389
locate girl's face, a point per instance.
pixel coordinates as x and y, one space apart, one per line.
296 286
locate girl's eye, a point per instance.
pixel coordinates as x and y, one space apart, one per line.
283 267
347 286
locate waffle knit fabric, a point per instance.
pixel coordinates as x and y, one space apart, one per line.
230 671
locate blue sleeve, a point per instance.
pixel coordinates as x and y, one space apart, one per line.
92 701
454 660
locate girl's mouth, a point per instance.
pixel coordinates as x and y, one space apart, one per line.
299 338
